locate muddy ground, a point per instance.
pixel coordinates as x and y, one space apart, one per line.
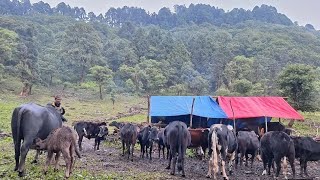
109 159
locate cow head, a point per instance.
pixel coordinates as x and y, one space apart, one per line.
103 131
40 144
153 135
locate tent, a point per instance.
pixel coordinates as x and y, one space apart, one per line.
171 108
249 107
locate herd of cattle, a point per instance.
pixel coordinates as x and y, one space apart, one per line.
41 128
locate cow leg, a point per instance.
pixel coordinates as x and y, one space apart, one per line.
141 150
285 167
270 163
24 151
182 164
277 159
168 152
17 147
159 149
128 149
247 157
223 169
98 144
36 157
151 144
122 147
95 144
264 160
56 165
170 158
252 158
174 162
291 159
232 157
210 168
80 142
305 168
67 159
49 157
301 167
132 149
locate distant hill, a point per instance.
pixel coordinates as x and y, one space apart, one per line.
198 49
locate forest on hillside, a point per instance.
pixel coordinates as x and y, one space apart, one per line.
195 50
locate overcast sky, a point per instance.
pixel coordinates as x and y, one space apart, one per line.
303 11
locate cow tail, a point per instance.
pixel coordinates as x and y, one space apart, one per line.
180 139
18 128
214 156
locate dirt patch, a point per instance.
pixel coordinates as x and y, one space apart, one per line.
110 160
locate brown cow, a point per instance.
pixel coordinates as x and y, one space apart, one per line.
199 138
61 140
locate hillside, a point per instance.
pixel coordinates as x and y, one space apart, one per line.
198 49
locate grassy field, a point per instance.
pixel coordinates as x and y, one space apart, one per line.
84 105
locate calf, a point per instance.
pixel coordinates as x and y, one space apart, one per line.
199 138
161 143
222 142
276 145
61 140
146 137
306 149
128 135
116 124
248 143
91 130
178 139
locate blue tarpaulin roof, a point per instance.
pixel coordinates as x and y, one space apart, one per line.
204 106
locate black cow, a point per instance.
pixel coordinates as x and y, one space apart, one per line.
116 124
276 145
31 121
272 126
178 139
248 143
161 143
128 135
146 137
306 149
223 142
91 130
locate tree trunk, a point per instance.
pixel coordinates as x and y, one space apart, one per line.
25 90
30 88
100 90
50 83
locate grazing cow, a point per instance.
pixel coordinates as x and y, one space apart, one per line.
248 143
161 143
276 145
223 143
28 122
61 140
178 139
91 130
128 135
306 149
146 137
116 124
199 138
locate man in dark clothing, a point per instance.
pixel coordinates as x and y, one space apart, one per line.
57 104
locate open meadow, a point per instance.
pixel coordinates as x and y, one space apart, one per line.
108 162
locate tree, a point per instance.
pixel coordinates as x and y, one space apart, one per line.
83 50
297 81
100 75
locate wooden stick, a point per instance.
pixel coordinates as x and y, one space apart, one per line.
191 112
148 118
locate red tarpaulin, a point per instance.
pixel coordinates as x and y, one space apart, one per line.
249 107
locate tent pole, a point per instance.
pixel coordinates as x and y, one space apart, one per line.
191 112
234 119
266 123
148 118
